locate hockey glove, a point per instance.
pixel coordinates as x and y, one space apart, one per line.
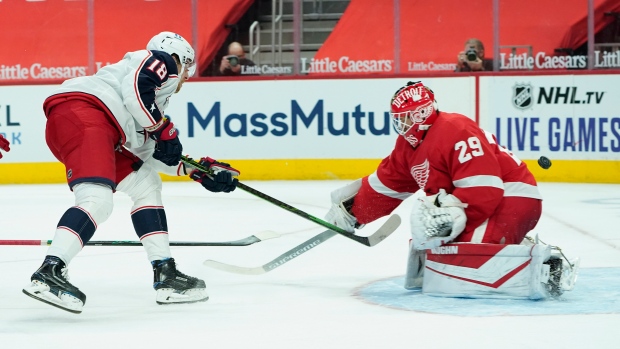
168 148
436 220
341 218
342 201
217 166
4 145
221 179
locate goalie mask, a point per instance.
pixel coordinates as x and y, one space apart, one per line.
413 110
173 43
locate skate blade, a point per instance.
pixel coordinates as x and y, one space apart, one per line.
41 292
172 296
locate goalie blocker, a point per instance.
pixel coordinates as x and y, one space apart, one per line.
534 271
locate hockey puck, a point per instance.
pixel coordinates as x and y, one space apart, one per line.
544 162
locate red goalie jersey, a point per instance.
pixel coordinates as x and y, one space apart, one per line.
453 153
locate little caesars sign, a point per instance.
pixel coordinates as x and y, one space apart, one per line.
543 61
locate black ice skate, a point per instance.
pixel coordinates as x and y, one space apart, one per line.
554 286
175 287
50 284
562 273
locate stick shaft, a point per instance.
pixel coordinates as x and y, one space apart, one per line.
384 231
283 205
25 242
276 262
242 242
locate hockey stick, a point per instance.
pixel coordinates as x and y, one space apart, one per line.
258 237
368 241
385 230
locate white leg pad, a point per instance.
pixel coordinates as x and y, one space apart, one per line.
415 268
487 271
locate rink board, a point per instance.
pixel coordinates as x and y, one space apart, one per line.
340 128
569 171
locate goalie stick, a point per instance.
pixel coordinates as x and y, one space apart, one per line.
252 239
384 231
361 239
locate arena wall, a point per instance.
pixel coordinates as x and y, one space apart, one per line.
340 129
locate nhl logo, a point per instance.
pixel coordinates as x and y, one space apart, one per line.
522 96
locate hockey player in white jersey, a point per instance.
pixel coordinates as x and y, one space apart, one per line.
110 132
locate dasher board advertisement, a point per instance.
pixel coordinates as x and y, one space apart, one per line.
568 117
256 120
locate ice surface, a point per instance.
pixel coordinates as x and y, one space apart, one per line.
598 293
312 301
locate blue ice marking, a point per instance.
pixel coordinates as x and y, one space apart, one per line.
597 292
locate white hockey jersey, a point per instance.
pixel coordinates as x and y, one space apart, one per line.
136 91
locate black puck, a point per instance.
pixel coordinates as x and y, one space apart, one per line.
544 162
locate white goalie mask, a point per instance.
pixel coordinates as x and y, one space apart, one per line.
173 43
413 110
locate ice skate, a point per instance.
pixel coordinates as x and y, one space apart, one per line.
175 287
555 275
50 284
562 274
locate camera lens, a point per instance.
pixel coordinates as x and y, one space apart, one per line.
471 55
234 61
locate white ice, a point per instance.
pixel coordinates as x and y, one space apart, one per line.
306 303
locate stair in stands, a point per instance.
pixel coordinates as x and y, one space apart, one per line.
319 17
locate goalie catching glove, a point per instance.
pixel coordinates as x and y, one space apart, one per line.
221 178
342 201
436 220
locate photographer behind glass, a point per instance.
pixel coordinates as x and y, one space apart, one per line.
472 58
235 63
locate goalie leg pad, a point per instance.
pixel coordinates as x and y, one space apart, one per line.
487 271
415 268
